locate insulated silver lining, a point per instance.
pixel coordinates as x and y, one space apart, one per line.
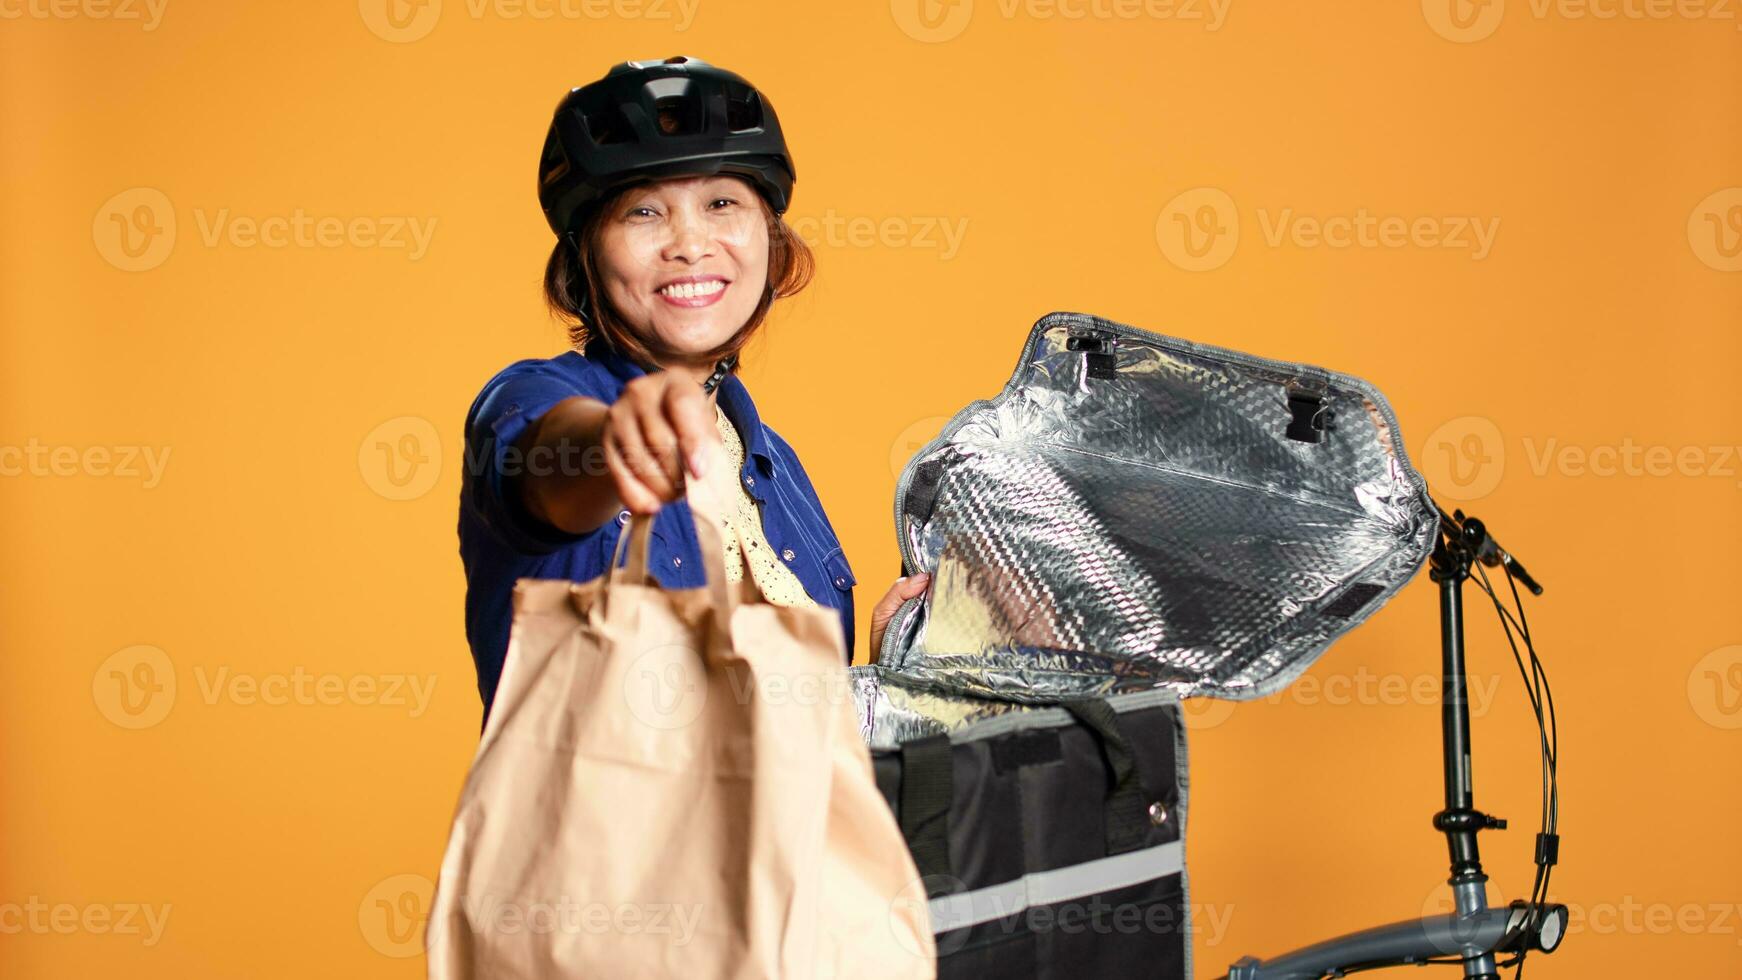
1130 512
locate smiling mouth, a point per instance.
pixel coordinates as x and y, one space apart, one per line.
693 290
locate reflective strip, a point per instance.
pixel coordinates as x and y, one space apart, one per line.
958 911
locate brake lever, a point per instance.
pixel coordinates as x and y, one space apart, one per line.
1473 534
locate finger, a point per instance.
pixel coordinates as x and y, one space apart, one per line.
634 494
904 589
690 417
661 444
636 456
879 624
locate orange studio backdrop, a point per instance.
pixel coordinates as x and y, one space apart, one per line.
256 260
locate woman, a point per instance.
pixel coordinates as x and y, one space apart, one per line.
665 183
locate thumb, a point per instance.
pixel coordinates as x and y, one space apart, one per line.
911 585
904 589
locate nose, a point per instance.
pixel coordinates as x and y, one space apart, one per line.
691 240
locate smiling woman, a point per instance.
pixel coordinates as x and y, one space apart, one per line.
758 252
665 183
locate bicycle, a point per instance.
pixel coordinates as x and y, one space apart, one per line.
1473 935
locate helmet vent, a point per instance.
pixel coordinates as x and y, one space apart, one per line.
609 126
677 116
555 162
744 114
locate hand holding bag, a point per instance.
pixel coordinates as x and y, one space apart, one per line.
671 783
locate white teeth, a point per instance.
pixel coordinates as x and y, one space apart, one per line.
689 290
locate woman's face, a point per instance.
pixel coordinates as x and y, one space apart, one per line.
685 261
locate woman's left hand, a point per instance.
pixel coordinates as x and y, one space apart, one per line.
904 589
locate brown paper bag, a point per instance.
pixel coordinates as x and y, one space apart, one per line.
671 784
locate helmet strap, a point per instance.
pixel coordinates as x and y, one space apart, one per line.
720 370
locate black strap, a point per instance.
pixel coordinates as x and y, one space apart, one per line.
927 784
1134 787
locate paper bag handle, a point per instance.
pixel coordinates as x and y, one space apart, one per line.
707 502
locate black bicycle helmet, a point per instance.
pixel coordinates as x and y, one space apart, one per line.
651 119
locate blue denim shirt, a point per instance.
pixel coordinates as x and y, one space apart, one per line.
500 541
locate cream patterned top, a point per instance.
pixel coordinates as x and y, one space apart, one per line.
777 582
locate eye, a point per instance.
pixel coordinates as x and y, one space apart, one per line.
643 209
725 200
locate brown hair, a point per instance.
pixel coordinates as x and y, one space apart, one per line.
571 284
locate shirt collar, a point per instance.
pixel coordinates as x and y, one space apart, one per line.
733 397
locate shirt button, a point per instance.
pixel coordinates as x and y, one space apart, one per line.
840 583
787 554
750 481
622 517
678 562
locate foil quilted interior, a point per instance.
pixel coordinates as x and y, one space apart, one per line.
1137 511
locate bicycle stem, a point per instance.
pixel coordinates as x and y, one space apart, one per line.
1458 545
